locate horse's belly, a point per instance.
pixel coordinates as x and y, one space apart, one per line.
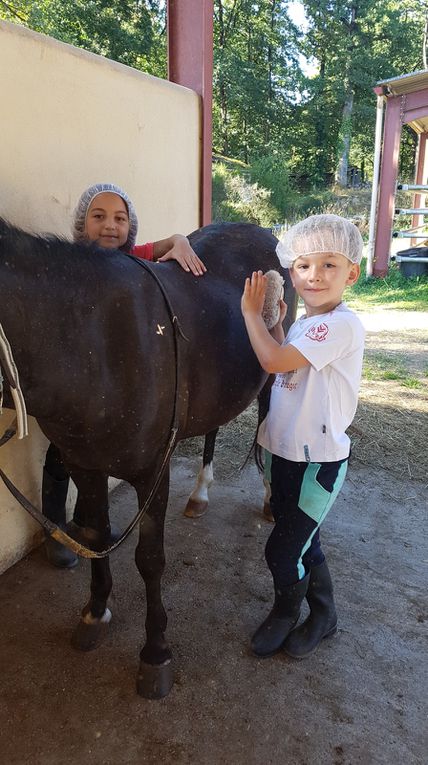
209 412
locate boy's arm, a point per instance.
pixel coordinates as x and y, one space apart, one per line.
273 357
277 332
177 247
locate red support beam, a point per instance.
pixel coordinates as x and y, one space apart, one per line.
387 183
416 100
400 109
420 180
190 63
410 115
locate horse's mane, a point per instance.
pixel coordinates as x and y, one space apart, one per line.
13 238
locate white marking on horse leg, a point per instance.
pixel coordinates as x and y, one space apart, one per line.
268 491
203 482
198 500
267 512
105 618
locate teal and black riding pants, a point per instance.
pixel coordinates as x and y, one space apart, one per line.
302 495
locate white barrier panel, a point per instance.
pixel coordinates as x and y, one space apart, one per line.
70 119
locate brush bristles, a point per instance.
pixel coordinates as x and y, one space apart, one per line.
274 293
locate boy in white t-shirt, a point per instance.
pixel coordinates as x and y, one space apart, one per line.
313 401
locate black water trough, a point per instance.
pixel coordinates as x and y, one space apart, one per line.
413 261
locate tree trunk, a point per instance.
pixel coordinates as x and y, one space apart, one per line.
341 176
320 125
344 142
222 88
270 69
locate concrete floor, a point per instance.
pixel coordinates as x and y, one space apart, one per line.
361 699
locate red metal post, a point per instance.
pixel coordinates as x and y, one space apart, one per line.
414 101
190 63
420 179
387 184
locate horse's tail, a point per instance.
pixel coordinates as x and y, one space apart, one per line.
256 451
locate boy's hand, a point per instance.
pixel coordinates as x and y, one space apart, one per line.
182 252
254 293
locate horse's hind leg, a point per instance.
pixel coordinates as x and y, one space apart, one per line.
198 501
92 505
263 457
155 676
267 512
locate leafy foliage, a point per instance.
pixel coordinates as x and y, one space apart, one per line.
256 76
236 199
129 31
395 291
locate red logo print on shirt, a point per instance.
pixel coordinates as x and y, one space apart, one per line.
317 332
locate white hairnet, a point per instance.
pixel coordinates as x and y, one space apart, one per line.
82 207
320 233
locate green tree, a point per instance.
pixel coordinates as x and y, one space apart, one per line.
298 132
256 75
356 43
129 31
271 172
236 199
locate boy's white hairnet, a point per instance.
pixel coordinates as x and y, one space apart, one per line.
82 207
320 233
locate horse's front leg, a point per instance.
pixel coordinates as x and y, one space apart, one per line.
92 508
155 676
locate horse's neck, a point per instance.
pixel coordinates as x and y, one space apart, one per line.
35 320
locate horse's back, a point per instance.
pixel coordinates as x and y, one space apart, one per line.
235 248
224 375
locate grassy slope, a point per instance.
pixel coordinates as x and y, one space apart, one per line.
394 291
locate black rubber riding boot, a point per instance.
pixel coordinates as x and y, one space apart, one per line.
54 495
321 622
270 636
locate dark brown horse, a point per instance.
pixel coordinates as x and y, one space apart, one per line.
114 357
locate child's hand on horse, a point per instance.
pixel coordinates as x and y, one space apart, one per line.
181 251
253 297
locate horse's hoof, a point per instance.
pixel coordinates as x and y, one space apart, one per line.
267 513
154 681
90 634
195 509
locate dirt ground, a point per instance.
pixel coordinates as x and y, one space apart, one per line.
361 699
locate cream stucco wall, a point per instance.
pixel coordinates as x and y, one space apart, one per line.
70 119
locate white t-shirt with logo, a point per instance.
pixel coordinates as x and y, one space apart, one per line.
310 408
